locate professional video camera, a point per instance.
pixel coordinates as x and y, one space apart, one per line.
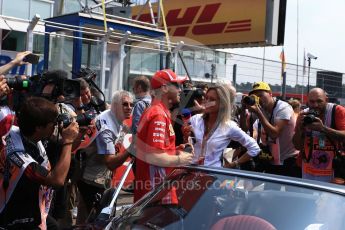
89 76
34 86
251 100
189 95
310 117
82 119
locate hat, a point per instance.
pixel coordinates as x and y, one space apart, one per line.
260 86
165 76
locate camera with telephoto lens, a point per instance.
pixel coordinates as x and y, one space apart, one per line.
82 119
17 83
251 100
34 86
310 117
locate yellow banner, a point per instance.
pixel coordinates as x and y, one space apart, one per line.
212 22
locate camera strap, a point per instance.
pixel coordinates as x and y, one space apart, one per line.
311 139
270 121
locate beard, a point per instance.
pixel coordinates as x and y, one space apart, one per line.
174 105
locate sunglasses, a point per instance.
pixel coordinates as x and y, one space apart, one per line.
127 104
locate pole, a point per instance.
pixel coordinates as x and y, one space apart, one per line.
263 64
297 32
309 61
234 71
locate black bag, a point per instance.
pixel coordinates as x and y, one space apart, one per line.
339 164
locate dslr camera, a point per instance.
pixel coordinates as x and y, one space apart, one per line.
251 100
310 117
82 119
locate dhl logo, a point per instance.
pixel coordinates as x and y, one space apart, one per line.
180 25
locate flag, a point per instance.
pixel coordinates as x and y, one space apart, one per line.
282 58
304 64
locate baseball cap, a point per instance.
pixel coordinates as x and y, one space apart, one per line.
260 86
165 76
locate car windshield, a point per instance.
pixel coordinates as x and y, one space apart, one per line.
207 200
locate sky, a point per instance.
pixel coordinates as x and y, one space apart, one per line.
321 33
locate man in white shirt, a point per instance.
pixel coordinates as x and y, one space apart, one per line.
276 120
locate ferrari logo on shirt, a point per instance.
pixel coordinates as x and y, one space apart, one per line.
171 129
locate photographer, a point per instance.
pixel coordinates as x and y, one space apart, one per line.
319 133
26 175
277 122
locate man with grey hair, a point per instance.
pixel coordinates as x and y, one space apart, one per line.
101 158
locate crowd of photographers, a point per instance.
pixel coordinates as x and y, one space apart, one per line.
61 142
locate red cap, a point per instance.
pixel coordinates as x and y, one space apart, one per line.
165 76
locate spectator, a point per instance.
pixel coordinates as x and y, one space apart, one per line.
277 122
141 90
214 129
27 177
155 143
101 158
296 106
325 133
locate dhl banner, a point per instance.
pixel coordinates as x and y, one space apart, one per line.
212 22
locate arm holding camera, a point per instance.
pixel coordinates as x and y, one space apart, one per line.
273 131
57 176
18 60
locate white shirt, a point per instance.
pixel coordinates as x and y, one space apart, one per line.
219 140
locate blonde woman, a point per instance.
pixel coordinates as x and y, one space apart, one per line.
214 129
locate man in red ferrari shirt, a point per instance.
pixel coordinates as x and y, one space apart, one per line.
156 153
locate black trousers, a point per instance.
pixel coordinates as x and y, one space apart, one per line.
289 168
88 193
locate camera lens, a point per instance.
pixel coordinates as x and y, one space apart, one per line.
17 83
249 100
65 119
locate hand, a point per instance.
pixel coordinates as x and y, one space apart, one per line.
317 125
18 60
185 158
4 89
70 133
253 108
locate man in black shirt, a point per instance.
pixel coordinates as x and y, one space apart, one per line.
26 177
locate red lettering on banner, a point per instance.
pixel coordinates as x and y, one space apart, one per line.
145 17
181 31
239 26
214 28
188 17
185 21
208 13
